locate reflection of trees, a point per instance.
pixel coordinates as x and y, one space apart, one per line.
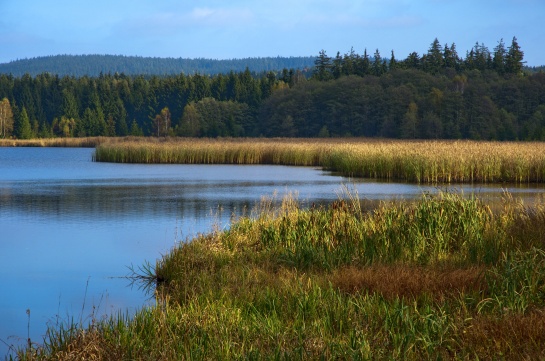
111 202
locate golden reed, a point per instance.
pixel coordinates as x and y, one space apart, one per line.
393 160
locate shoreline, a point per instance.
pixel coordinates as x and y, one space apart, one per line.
443 277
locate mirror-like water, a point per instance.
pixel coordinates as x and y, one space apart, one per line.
69 227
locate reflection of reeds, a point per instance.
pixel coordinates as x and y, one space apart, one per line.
412 161
444 277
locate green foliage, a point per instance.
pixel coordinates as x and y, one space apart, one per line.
211 118
22 127
471 105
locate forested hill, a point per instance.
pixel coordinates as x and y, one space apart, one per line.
94 65
438 94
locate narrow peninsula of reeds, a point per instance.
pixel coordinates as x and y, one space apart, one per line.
83 142
408 161
441 278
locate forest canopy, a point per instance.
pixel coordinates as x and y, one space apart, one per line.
94 65
488 94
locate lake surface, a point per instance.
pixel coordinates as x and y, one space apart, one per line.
70 227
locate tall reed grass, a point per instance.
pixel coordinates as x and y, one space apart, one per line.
411 161
86 142
443 278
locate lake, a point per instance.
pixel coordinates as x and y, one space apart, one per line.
70 227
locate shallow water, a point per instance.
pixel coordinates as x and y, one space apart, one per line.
70 227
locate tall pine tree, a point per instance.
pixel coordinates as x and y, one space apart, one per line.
513 59
323 67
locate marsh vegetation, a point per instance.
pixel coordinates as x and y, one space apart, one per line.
392 160
444 277
84 142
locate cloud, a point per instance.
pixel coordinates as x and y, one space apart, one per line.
221 16
176 22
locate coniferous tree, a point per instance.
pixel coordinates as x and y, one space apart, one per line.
69 105
450 56
363 66
513 59
349 63
377 63
323 67
393 62
481 57
135 129
22 127
337 67
412 61
498 62
434 57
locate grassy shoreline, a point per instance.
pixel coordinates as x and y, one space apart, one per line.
431 162
391 160
442 278
87 142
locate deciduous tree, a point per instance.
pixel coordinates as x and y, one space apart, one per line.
6 119
161 123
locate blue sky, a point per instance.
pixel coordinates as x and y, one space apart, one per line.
243 28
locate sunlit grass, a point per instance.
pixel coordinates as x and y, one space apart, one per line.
392 160
86 142
441 278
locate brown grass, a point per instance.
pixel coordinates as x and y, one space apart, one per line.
85 346
516 336
408 281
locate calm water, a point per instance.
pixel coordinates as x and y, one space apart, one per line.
69 227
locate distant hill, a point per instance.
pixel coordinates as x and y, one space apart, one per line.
535 69
93 65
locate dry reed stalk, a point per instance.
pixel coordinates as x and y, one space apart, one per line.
513 336
409 281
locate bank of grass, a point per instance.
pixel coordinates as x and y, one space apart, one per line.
84 142
392 160
442 278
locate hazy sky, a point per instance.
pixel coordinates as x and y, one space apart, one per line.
243 28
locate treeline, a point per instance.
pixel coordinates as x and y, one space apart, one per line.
438 59
94 65
117 105
398 100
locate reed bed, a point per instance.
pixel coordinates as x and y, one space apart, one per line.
411 161
214 151
86 142
442 278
